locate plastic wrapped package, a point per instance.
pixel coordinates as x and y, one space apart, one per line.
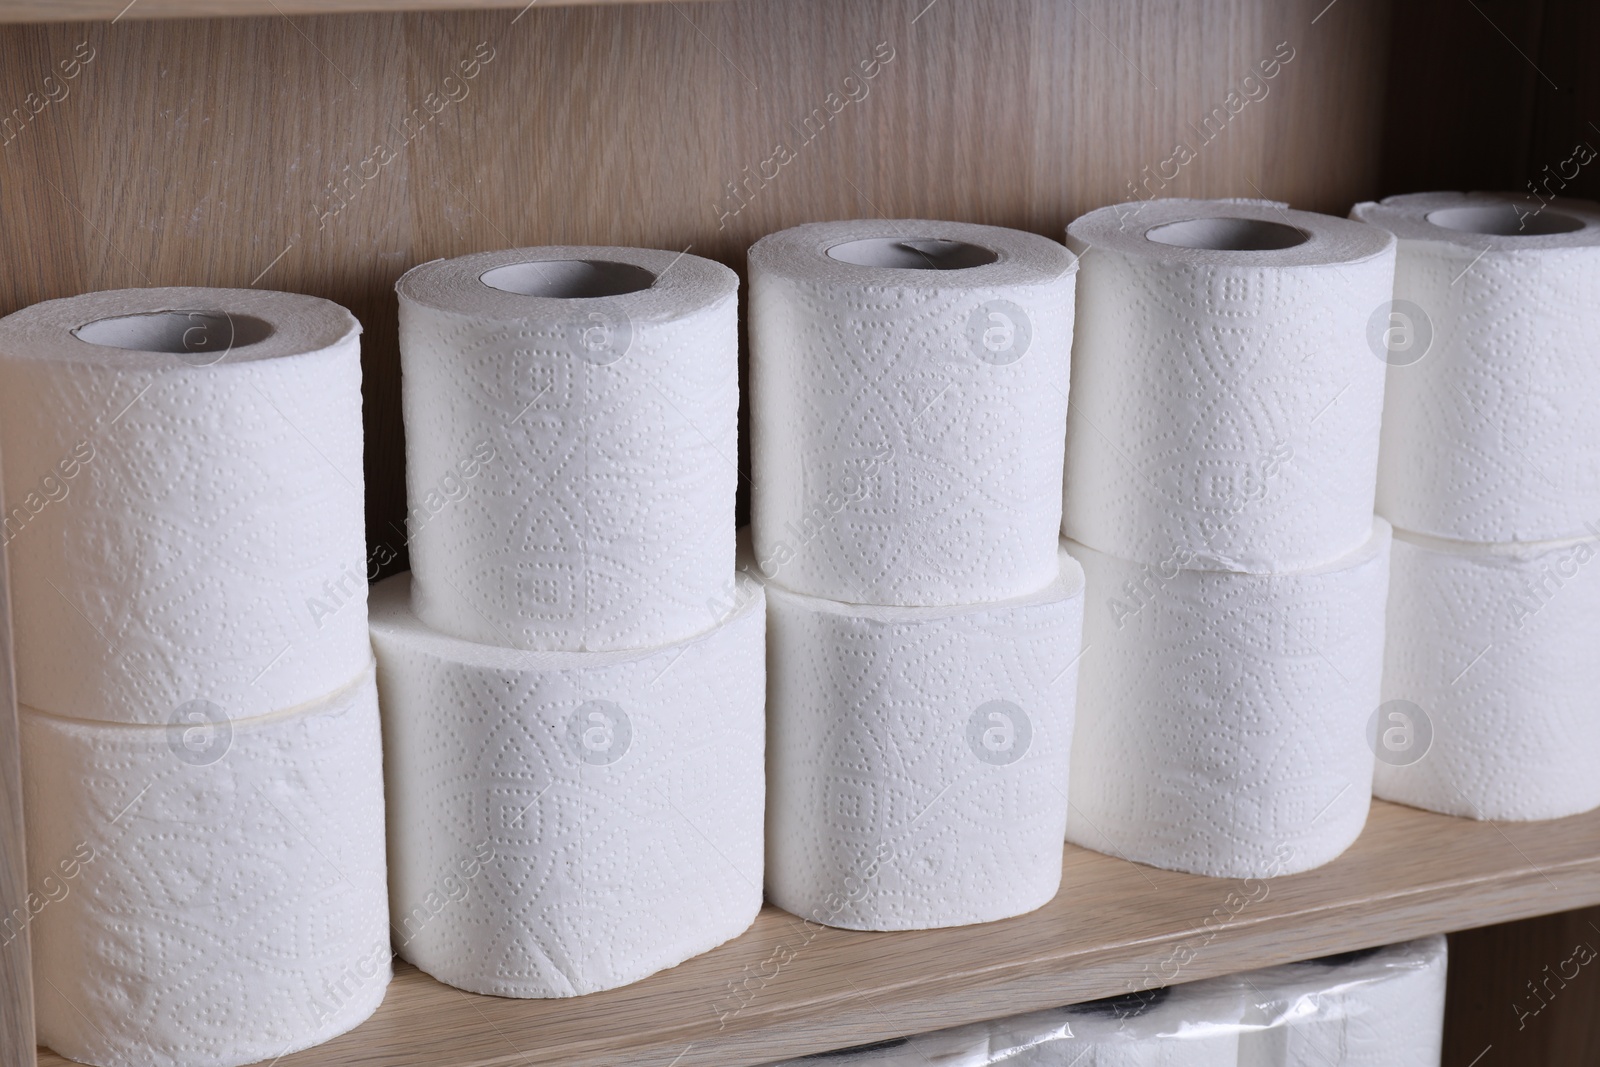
1376 1008
1359 1009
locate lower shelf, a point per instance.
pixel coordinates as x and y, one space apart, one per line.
787 988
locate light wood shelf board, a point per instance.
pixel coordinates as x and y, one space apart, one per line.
1113 923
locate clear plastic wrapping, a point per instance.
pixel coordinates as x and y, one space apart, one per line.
1359 1009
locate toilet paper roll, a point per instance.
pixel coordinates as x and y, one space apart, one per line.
571 444
207 894
1489 431
918 756
1221 715
909 394
1490 680
183 501
1380 1008
1225 401
569 822
1185 1026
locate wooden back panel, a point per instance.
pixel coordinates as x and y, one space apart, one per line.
16 978
328 154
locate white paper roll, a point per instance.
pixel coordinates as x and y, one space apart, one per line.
918 756
210 894
1225 401
1383 1008
1196 1025
1221 715
1185 1026
571 444
183 501
1491 658
1489 430
909 394
1375 1008
565 822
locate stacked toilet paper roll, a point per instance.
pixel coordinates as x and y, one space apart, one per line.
910 389
601 811
1490 472
183 501
218 892
201 763
572 683
918 756
1221 464
1225 403
571 444
1489 680
1375 1008
1221 715
1488 434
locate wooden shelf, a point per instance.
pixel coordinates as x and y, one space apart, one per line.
122 10
1114 922
269 127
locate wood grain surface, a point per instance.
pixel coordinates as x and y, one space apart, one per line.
327 155
1521 993
16 978
787 988
1463 84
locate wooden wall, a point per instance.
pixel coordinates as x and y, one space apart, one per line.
1526 994
306 154
1493 94
16 993
328 154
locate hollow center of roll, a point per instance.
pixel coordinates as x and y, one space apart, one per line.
912 253
178 332
569 278
1228 235
1504 220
